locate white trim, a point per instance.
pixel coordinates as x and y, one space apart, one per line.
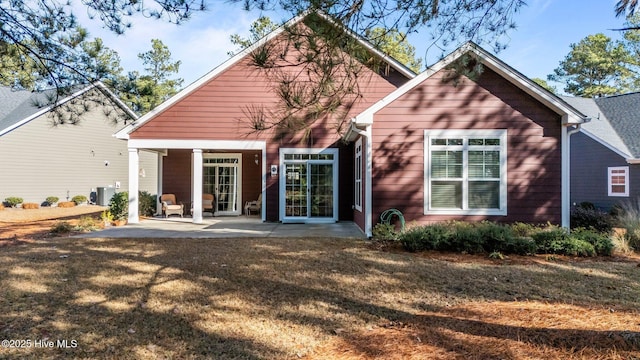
465 134
282 182
358 169
570 115
610 184
198 144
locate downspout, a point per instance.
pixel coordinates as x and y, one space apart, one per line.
366 134
566 173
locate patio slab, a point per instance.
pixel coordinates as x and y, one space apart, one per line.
225 227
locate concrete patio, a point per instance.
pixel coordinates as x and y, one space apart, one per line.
224 227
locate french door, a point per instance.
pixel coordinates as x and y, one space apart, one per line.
222 177
309 185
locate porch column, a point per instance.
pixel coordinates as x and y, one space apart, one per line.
197 186
134 165
159 184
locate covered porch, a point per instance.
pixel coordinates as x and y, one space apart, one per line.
233 171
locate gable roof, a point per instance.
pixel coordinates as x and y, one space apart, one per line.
18 107
569 114
615 122
395 64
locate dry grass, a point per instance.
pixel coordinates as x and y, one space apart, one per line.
313 299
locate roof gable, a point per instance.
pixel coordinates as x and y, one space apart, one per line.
396 65
569 114
21 107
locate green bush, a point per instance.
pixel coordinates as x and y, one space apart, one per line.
119 205
466 238
602 243
13 201
573 247
431 237
79 199
384 232
52 200
547 239
520 245
147 204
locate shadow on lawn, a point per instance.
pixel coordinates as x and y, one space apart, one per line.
278 298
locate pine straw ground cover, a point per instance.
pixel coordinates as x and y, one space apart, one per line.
309 299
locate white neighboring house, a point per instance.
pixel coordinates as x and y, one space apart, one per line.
38 159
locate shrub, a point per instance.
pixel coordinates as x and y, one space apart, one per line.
547 239
590 217
431 237
521 245
384 232
629 219
79 199
30 206
52 199
87 223
61 227
574 247
147 204
601 242
13 201
466 238
66 204
119 205
524 229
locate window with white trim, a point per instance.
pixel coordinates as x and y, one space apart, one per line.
465 172
618 181
357 197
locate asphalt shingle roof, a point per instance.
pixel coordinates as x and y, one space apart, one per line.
623 111
17 105
614 120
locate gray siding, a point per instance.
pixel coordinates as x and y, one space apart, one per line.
589 163
38 160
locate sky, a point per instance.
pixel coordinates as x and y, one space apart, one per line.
545 31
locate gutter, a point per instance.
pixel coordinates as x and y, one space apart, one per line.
366 134
566 172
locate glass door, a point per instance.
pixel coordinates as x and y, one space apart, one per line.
309 185
222 178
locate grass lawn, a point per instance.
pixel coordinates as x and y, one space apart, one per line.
310 299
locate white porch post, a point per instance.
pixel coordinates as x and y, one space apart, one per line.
159 184
197 186
134 160
565 174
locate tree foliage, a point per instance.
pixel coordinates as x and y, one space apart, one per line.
394 43
596 66
143 92
258 29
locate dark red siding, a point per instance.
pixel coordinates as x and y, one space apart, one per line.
217 110
490 102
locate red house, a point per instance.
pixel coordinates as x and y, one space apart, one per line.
494 147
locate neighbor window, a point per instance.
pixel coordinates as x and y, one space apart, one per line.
618 181
465 172
357 198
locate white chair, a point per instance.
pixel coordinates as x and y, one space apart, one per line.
255 205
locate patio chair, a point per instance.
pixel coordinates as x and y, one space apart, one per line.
170 206
255 205
208 204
